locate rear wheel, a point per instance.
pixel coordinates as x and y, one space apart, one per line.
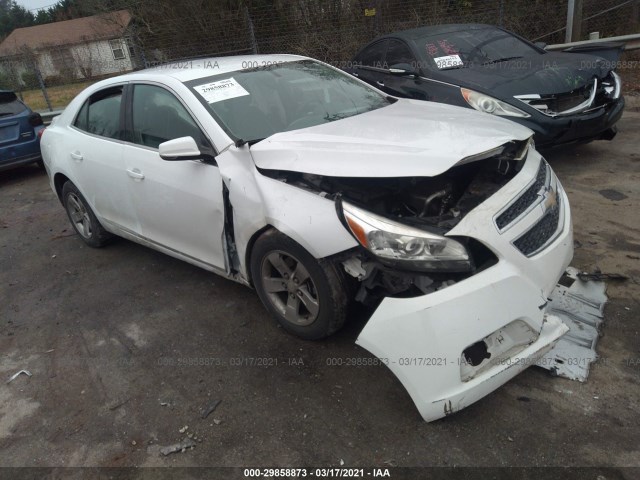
82 217
308 297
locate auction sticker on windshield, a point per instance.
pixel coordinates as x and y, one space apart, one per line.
221 90
448 61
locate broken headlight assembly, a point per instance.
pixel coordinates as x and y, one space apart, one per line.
404 246
613 85
486 104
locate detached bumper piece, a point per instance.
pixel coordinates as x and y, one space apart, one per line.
580 307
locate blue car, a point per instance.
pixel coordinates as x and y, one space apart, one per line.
20 131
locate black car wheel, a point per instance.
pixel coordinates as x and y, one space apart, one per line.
82 217
308 297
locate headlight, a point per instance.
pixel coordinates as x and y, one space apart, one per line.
485 103
618 86
404 246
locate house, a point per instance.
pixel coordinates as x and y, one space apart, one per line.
82 48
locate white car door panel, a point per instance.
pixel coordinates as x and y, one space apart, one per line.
179 203
95 158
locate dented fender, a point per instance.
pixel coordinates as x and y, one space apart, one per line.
258 201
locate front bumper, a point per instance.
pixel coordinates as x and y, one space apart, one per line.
578 128
422 339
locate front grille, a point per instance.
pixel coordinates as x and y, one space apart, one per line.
540 234
525 200
596 93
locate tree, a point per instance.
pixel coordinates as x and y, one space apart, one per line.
13 16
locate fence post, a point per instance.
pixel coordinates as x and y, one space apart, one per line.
252 33
574 21
43 88
36 70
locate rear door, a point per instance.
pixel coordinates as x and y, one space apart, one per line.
179 203
94 148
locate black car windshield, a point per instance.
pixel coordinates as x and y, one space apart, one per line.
255 103
9 104
474 46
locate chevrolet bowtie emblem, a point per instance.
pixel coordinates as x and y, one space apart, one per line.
551 199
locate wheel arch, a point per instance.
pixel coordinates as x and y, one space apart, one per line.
59 180
249 250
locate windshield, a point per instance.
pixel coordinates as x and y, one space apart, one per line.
9 104
253 104
475 46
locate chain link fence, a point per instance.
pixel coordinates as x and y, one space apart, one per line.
330 30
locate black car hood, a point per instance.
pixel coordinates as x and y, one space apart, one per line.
549 73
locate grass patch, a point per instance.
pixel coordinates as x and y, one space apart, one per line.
59 96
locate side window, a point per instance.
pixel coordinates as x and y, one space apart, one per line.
158 116
81 119
373 55
100 114
399 52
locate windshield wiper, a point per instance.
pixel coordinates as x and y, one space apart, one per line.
502 60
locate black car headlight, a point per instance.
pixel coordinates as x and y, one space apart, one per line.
485 103
403 246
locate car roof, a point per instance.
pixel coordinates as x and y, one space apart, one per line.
192 69
429 30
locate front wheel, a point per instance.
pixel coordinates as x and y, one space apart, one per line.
82 217
308 297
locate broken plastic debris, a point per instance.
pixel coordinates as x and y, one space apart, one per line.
209 410
16 375
178 447
580 306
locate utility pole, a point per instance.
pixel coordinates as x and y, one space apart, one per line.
574 21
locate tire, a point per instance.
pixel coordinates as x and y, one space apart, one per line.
82 217
40 164
311 309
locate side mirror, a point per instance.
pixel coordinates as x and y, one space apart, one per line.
403 69
541 45
183 148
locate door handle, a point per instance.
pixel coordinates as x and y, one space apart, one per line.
76 156
379 83
135 174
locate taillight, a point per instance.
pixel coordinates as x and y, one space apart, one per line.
35 120
40 132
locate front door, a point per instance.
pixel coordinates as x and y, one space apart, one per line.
179 203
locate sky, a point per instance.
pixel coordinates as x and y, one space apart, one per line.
35 4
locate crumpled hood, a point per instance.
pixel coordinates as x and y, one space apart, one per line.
553 72
407 138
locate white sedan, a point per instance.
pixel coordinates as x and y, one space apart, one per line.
287 175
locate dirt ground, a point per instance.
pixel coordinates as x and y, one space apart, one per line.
126 346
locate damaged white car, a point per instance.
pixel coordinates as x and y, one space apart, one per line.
317 190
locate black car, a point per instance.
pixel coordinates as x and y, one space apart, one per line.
562 97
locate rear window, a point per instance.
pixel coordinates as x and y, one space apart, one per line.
100 114
10 105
